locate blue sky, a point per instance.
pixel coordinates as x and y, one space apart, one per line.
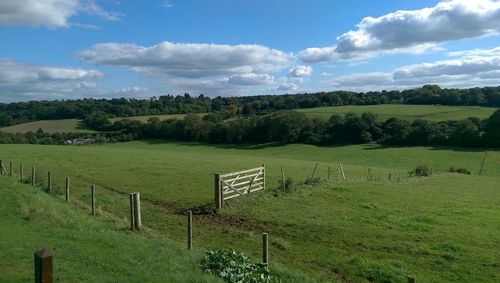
62 49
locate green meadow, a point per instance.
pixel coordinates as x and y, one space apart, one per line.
406 112
439 228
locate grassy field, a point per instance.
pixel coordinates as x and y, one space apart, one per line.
406 112
50 126
441 228
85 249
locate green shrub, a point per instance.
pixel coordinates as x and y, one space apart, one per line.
422 171
459 170
234 267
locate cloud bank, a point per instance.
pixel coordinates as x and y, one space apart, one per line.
412 31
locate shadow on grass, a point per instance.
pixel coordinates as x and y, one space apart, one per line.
431 147
368 146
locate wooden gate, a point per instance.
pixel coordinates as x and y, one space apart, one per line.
235 184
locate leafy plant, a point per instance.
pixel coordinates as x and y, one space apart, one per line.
421 171
459 170
232 266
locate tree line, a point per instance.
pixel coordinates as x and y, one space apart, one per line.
290 126
21 112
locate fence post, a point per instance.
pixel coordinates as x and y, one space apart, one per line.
190 230
67 189
265 249
264 176
43 266
218 192
10 169
342 171
412 279
2 170
328 178
49 182
283 178
21 172
314 172
33 176
92 192
132 211
137 211
390 177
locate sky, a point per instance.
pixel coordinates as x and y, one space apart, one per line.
70 49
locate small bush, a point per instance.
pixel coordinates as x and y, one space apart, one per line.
421 171
459 170
289 185
234 267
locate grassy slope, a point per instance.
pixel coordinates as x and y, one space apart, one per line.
85 249
345 231
407 112
50 126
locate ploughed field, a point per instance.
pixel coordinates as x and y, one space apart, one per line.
439 228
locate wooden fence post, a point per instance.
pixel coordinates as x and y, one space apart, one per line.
265 249
190 230
264 176
132 212
21 172
342 171
2 170
314 171
49 182
137 211
10 169
33 176
92 192
43 266
219 203
67 189
390 177
283 178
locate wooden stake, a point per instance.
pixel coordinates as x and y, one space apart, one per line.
33 176
219 203
190 230
49 182
264 176
67 189
265 249
2 169
342 171
314 171
21 172
328 173
10 169
390 177
137 211
43 267
92 192
283 178
132 212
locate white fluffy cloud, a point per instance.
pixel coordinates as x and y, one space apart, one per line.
413 31
316 55
300 71
189 60
20 81
49 13
211 69
473 68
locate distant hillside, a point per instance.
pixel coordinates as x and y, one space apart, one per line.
22 112
406 112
